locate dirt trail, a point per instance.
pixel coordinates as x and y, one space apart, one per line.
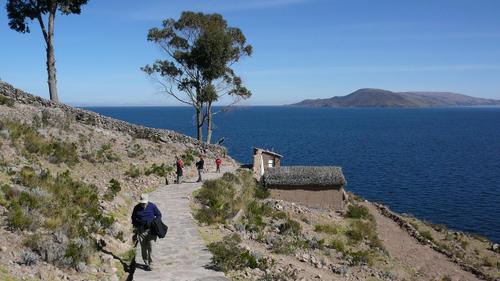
427 263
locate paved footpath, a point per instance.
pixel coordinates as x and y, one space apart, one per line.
182 254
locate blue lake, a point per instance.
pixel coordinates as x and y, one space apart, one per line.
441 165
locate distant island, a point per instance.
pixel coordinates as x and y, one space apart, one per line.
382 98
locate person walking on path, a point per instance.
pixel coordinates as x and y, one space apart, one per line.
199 166
218 163
180 167
142 216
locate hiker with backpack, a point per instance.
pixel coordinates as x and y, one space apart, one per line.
144 215
199 166
180 166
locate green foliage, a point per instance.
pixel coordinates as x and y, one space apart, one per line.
35 144
218 199
65 205
362 257
114 187
159 170
6 101
338 245
290 227
133 171
288 245
325 228
188 157
363 230
255 213
261 192
427 235
230 177
135 150
106 154
201 49
228 255
358 212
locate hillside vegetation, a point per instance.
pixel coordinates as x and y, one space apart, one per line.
68 187
253 237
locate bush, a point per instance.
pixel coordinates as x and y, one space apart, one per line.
255 213
358 212
114 187
338 245
287 245
326 228
427 235
133 171
188 157
106 154
18 218
228 255
261 192
361 230
230 177
362 258
159 170
134 150
290 227
6 101
218 200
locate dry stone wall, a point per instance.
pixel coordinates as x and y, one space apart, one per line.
97 120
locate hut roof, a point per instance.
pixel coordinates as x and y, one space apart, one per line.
304 176
267 151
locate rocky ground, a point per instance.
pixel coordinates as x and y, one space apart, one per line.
108 167
289 241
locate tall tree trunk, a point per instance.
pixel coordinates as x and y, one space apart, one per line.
199 124
51 61
209 122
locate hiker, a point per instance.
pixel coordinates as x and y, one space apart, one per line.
180 166
218 162
199 166
143 216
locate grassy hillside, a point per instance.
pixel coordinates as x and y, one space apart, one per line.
68 184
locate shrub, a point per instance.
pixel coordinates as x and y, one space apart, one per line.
228 255
287 245
261 192
427 235
218 200
361 230
135 150
159 170
114 187
6 101
106 154
230 177
62 152
29 258
133 171
290 227
326 228
18 218
188 157
362 257
338 245
255 213
358 212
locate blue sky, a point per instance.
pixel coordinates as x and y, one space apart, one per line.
302 48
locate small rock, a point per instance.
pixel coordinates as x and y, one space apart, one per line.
3 249
305 257
495 248
318 276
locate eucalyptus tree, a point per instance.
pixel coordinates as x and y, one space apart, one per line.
200 50
19 11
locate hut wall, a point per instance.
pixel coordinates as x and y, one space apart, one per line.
311 196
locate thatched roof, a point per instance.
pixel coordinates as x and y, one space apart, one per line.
304 176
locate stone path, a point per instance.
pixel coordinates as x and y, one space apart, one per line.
182 254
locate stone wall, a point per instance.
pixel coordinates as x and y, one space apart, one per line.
310 196
97 120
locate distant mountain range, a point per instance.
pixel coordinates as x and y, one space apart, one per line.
383 98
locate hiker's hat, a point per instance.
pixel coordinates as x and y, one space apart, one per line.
144 198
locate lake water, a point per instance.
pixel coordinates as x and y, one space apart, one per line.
441 165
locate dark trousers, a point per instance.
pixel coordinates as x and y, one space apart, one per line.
199 174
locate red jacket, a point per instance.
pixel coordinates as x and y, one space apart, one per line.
218 161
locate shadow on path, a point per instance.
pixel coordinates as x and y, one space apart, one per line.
128 268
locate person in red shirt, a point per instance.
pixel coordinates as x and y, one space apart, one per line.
180 167
218 163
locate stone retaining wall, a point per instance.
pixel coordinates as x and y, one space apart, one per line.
422 240
95 119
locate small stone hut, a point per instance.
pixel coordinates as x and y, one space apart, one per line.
316 187
263 160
